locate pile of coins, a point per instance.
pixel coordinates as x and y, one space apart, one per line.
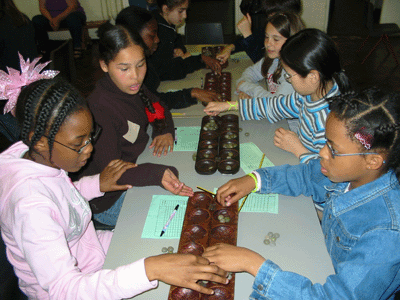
168 249
270 238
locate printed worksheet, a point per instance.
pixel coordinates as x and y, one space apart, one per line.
161 208
186 138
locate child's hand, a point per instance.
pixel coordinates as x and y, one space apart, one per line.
178 52
214 108
205 96
225 54
289 141
244 96
112 173
244 26
184 270
234 259
234 190
239 84
162 143
212 63
171 183
186 55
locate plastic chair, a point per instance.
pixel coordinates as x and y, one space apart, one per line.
204 34
383 31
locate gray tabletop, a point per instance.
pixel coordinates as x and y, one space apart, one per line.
300 248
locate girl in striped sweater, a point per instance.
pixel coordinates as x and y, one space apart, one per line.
311 62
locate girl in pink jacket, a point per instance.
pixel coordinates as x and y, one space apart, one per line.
46 220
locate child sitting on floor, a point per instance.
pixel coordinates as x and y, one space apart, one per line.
357 179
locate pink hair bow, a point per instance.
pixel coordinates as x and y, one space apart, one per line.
11 83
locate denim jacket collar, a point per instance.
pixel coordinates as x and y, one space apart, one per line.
361 194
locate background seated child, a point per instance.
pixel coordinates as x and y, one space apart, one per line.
279 28
171 60
46 220
312 65
124 108
252 26
145 24
357 179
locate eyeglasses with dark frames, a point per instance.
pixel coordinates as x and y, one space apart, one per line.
288 77
91 140
346 154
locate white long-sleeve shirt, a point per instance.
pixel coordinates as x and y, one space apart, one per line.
252 77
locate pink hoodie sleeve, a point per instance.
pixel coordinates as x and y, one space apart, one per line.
89 186
67 271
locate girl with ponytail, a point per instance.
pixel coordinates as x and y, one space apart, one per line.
124 108
312 66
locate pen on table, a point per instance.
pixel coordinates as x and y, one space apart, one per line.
178 114
176 136
200 188
169 220
202 82
262 160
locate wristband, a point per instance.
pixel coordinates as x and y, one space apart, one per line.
232 105
255 180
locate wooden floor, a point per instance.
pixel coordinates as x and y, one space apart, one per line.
380 69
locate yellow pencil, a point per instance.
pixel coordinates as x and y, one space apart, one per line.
200 188
262 160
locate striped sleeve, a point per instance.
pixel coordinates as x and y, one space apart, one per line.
312 118
273 108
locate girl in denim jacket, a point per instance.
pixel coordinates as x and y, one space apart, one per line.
357 180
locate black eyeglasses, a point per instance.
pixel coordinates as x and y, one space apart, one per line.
91 140
346 154
288 77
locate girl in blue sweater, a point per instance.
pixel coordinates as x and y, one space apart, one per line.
357 181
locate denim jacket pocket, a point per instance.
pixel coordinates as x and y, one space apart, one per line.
340 243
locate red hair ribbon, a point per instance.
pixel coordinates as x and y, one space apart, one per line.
157 115
364 138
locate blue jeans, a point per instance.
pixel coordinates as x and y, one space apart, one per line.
110 216
74 22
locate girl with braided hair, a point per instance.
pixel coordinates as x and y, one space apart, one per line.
357 181
45 218
125 108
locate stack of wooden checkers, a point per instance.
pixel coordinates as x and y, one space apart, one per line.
206 223
218 146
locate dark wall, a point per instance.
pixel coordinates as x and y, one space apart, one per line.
214 11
